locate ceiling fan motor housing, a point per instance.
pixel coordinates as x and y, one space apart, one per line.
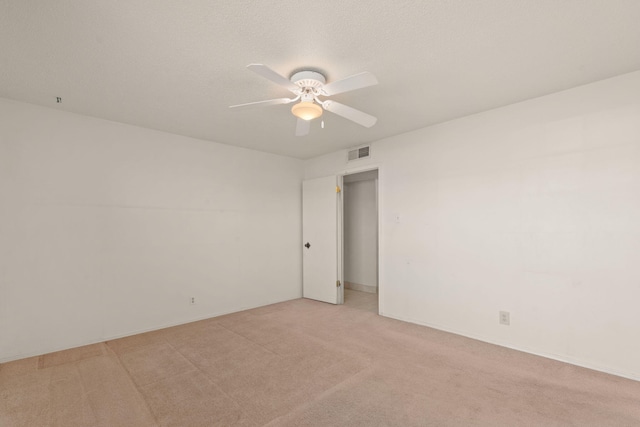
308 79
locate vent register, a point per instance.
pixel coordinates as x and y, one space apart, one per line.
359 153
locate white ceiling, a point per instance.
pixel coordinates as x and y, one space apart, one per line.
176 66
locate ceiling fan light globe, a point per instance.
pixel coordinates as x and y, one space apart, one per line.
306 110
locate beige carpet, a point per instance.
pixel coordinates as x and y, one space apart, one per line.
305 363
361 300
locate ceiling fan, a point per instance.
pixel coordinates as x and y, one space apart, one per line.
308 86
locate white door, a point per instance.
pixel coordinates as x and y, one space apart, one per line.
321 204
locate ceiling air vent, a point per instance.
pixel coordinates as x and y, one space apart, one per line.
359 153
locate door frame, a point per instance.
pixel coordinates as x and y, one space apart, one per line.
353 171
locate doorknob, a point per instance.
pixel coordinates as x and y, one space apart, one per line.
308 245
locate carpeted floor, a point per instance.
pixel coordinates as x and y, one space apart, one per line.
361 300
306 363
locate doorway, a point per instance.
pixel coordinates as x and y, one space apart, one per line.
360 240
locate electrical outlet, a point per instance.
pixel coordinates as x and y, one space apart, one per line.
192 300
505 318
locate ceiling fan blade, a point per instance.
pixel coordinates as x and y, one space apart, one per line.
275 77
352 114
266 103
354 82
302 127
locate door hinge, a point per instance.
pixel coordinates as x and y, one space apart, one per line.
337 283
338 189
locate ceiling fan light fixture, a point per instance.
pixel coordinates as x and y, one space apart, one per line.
306 110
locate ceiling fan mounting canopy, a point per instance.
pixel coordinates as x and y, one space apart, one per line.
308 85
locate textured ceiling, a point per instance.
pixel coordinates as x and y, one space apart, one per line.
176 66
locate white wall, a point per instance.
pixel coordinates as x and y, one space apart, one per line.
533 208
361 233
108 229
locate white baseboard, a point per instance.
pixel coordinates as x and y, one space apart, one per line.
135 332
362 288
560 358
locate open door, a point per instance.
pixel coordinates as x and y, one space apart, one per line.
321 235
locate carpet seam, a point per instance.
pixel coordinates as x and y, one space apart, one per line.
132 382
